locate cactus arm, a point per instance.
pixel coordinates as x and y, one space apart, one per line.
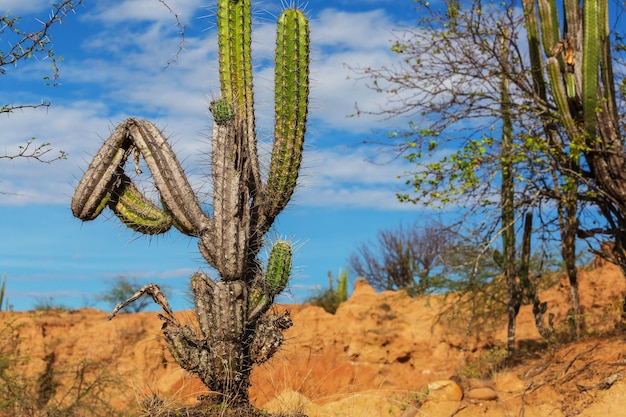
94 188
136 211
560 96
278 268
203 289
105 174
169 178
234 25
550 35
276 278
534 43
606 63
591 50
291 103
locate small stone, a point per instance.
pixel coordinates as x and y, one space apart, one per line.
482 394
445 390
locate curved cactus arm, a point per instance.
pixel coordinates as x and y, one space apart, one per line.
136 211
105 175
291 106
95 187
169 178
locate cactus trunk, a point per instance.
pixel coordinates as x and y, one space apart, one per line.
235 330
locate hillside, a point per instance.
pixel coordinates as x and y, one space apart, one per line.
379 355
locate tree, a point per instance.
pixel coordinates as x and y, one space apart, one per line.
488 114
22 44
405 258
235 330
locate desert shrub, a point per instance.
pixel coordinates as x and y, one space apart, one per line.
49 304
410 258
330 298
486 364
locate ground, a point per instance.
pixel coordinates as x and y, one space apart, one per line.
381 354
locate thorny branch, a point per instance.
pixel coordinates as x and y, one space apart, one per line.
180 24
38 41
40 152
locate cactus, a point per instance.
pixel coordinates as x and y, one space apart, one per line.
235 328
574 48
577 58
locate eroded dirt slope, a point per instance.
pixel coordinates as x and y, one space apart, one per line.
371 358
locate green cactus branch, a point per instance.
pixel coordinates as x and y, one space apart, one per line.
235 328
591 55
291 103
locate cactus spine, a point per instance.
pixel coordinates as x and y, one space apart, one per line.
235 329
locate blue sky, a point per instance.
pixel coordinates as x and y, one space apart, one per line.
115 54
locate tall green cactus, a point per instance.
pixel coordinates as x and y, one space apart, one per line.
235 330
571 43
574 48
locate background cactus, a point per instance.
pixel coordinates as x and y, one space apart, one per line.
574 86
235 330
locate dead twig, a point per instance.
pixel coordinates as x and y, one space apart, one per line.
153 291
577 356
604 384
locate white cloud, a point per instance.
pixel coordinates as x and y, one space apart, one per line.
120 74
349 178
352 30
121 11
19 7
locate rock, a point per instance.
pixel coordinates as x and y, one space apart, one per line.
446 390
481 394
